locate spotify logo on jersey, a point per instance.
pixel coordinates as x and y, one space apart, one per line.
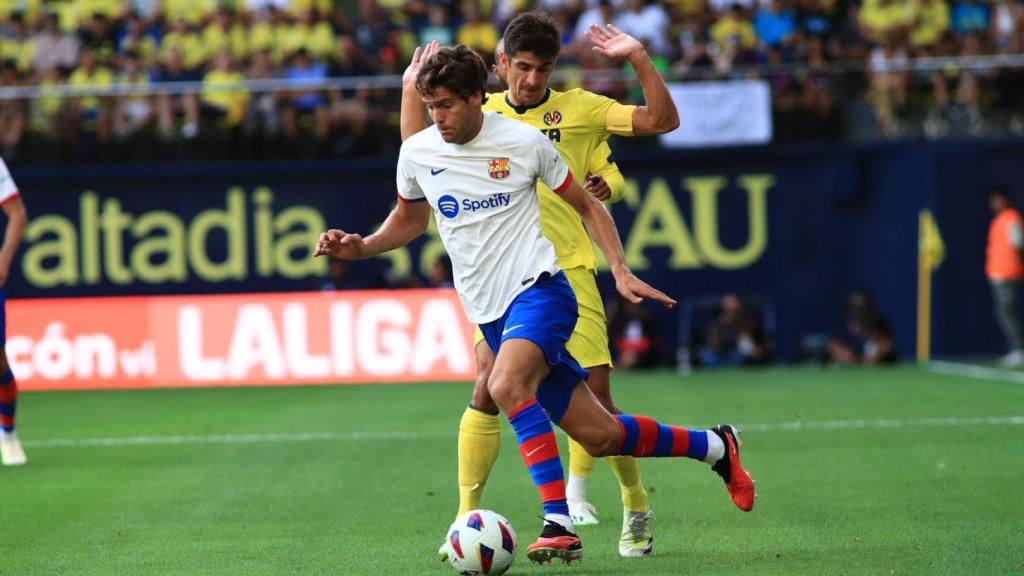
448 205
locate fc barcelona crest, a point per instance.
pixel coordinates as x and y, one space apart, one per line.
498 168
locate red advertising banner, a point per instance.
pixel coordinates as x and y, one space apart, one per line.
239 340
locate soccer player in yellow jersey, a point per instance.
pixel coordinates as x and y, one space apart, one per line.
578 123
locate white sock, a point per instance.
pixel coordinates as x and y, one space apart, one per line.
576 488
716 448
562 519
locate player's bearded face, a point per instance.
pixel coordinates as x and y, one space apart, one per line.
528 76
457 120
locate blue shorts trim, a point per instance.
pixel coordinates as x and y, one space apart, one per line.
545 314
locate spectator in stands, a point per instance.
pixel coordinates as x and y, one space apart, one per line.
888 84
111 11
633 335
53 48
339 276
648 22
441 273
313 34
775 23
304 103
188 45
147 11
734 337
437 28
222 99
882 21
181 104
47 111
191 12
13 113
868 340
17 44
597 14
90 113
99 36
262 120
374 31
970 17
733 32
476 32
1007 21
929 21
136 38
353 112
224 32
1004 267
133 113
814 20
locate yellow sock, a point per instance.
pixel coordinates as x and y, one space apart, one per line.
627 470
581 463
479 443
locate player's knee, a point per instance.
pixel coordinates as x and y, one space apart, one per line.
484 364
482 398
508 393
602 444
600 441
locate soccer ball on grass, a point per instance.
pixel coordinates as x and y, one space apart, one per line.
481 542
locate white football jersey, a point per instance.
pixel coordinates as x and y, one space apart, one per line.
8 189
484 196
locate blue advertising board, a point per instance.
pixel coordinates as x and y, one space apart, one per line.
799 228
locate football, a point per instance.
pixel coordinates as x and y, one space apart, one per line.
481 542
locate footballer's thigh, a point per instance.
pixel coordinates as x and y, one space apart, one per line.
588 343
589 423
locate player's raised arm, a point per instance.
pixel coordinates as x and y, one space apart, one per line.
411 115
659 115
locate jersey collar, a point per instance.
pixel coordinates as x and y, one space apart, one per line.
524 109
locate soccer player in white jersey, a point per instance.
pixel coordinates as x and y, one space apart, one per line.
478 174
17 217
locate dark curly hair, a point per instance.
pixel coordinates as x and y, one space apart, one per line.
535 33
459 69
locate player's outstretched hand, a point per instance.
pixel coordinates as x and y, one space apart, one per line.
598 187
419 58
611 42
340 244
636 290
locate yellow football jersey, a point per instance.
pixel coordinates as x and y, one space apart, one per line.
578 123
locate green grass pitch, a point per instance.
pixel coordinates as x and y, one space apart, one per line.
888 471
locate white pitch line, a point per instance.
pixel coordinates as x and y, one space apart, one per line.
796 426
975 371
224 439
950 422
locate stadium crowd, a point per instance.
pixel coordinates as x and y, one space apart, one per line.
836 68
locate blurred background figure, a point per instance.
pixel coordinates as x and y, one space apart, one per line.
441 273
868 339
633 335
339 276
1004 269
734 338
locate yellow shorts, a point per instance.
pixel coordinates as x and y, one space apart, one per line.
589 341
